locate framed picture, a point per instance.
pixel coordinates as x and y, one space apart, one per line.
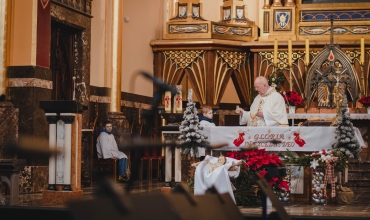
195 11
183 11
296 179
239 12
226 13
282 20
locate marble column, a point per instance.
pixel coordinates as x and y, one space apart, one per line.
52 118
5 21
170 137
116 55
67 118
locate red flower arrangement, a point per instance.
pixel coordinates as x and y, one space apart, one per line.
292 97
365 101
258 161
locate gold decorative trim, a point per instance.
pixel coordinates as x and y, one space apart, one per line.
269 93
199 72
187 28
232 58
220 69
125 103
183 58
233 31
282 58
176 61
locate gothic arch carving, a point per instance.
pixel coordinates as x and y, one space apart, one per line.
329 67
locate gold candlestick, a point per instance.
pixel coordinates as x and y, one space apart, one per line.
362 57
290 78
266 4
307 57
362 90
290 52
289 3
277 3
275 51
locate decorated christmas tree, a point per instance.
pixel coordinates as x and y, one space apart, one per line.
346 146
190 137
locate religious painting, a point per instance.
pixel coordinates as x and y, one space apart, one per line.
296 179
183 11
282 20
226 13
195 11
239 12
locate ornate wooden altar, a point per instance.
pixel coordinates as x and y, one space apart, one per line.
323 55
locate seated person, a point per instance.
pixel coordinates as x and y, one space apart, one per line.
107 148
216 172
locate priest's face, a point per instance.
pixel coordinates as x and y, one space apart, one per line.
108 127
260 87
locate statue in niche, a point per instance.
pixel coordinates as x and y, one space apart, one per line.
323 95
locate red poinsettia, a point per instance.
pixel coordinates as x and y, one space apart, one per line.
365 101
292 97
258 161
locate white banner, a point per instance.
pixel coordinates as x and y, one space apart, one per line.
292 138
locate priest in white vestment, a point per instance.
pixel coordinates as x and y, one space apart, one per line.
267 109
208 174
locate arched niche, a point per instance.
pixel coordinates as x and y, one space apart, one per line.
331 67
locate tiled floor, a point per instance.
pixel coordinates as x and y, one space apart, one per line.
359 208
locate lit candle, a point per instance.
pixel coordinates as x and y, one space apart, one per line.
290 52
307 57
178 101
275 51
167 102
362 58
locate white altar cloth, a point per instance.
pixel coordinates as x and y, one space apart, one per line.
310 138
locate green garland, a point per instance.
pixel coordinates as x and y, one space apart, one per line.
277 78
289 158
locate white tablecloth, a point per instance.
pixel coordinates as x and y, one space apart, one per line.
311 138
325 116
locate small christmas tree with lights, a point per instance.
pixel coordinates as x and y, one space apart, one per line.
190 137
346 146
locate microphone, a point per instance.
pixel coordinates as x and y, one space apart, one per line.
159 83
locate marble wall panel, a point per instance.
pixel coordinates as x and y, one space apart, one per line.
80 21
60 157
76 153
32 120
33 179
87 157
9 129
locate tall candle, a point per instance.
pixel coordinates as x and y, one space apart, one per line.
307 57
290 52
362 58
275 51
167 102
178 102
